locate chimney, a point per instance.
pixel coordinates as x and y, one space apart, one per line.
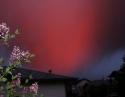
50 71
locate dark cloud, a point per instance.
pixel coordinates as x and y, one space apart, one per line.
108 33
110 25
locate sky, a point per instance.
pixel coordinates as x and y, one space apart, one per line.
80 38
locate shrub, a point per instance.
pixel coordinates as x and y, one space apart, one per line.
10 84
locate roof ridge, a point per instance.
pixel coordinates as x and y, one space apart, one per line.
46 73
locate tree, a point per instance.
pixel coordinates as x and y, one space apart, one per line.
119 78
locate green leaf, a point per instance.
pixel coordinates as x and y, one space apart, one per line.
41 96
30 77
26 81
1 68
4 79
7 70
6 38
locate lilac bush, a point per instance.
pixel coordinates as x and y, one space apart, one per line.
9 88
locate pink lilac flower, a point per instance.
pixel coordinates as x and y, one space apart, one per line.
1 95
34 88
18 55
25 55
18 75
25 89
3 30
1 91
17 82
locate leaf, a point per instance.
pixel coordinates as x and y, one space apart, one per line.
17 32
1 61
7 70
41 96
26 81
30 77
32 55
4 79
27 61
14 77
12 36
6 38
1 68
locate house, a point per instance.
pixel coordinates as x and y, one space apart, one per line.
95 88
50 85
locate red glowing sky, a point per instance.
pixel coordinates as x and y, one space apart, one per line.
61 33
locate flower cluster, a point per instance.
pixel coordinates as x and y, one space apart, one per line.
11 84
34 88
19 55
3 30
16 54
1 95
1 91
31 89
17 81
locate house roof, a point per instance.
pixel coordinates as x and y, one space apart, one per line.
42 76
100 82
